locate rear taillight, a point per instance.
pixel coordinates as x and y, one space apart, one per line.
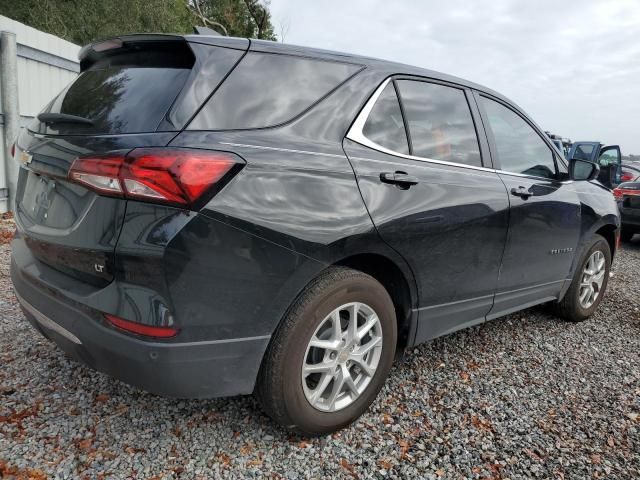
141 329
626 176
13 151
619 193
173 176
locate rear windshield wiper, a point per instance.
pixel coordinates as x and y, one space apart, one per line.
63 118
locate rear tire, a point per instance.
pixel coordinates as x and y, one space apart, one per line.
585 293
319 316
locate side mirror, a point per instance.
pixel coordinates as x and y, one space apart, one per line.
583 169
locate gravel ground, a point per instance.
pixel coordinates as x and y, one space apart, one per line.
526 396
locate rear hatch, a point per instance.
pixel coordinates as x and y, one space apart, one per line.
133 92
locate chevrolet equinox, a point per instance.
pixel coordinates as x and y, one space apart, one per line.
206 216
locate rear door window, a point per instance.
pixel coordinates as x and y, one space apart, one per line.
440 123
267 89
385 125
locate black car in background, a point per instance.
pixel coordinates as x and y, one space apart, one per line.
628 197
205 216
608 157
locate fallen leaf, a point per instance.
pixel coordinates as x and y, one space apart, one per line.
348 467
103 397
7 471
464 376
5 237
385 464
404 448
85 444
18 417
224 459
532 454
610 442
481 424
134 450
246 450
439 472
304 444
596 459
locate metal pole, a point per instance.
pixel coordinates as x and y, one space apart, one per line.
9 95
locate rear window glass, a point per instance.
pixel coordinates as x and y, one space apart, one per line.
128 91
385 125
440 122
269 89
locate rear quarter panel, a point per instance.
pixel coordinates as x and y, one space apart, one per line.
293 210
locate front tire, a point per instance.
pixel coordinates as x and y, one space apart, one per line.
331 354
589 282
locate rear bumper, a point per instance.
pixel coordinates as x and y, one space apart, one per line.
205 369
630 218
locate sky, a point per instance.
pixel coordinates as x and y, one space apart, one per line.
572 65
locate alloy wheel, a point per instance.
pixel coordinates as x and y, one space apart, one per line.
592 279
342 357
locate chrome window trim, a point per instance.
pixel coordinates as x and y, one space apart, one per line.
355 133
278 149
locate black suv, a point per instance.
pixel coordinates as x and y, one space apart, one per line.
208 216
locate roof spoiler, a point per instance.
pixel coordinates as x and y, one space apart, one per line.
205 31
91 53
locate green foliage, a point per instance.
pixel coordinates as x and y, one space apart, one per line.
83 21
238 18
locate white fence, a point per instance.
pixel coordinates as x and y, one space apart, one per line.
45 64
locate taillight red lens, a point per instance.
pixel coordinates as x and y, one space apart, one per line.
173 176
619 193
141 329
13 151
626 176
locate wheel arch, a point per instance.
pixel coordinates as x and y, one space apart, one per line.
610 233
399 284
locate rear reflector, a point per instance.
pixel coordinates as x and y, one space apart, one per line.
179 177
141 329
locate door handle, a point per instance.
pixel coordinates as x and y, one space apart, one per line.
401 179
521 192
